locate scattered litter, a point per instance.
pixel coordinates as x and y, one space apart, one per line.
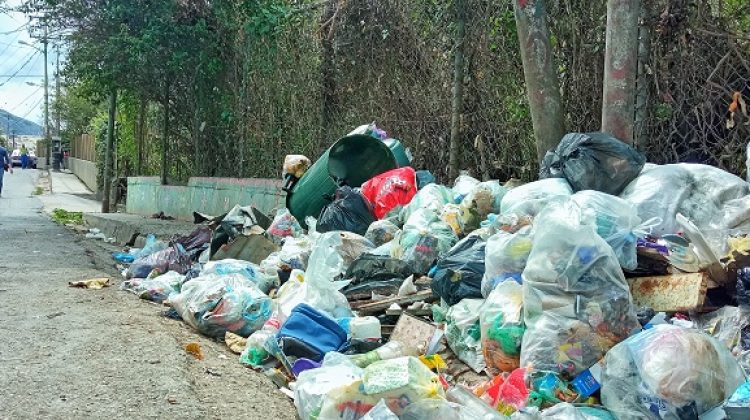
95 283
194 349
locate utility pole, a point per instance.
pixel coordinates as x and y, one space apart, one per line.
47 138
107 181
57 93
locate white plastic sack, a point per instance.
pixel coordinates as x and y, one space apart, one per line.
502 327
312 385
157 289
247 269
529 199
669 373
464 334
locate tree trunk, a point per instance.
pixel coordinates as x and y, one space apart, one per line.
328 74
457 106
107 176
620 68
141 133
540 74
165 136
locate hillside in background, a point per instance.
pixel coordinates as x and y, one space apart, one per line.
21 126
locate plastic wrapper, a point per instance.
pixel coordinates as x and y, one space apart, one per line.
529 199
459 272
593 161
715 200
313 385
319 286
668 372
484 198
296 252
349 211
380 412
400 382
296 165
463 185
577 303
432 197
284 225
423 240
370 130
502 327
453 217
172 258
381 232
727 325
614 220
216 304
157 289
152 245
464 334
506 256
390 190
247 269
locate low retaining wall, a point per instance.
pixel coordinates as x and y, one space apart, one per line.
85 171
213 196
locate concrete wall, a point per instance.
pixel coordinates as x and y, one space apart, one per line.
85 171
212 196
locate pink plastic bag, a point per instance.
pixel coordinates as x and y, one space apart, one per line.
391 189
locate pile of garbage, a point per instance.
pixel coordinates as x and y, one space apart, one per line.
609 289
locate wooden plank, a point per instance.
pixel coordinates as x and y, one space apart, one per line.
670 293
382 305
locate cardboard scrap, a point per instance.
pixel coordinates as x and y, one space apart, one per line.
95 283
670 293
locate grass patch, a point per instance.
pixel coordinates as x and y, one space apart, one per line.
38 191
65 217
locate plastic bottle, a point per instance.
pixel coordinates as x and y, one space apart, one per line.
478 408
389 351
365 328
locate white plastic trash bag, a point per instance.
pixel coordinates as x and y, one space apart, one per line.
464 334
529 199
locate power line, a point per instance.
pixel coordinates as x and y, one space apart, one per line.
35 54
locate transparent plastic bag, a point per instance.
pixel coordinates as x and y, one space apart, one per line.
215 304
313 385
577 303
502 327
505 257
152 245
381 232
319 287
484 198
296 252
529 199
463 185
713 199
453 217
295 165
284 225
172 258
432 197
668 372
400 382
157 289
421 247
464 334
380 412
726 325
247 269
614 219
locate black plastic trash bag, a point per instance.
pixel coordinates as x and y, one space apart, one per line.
350 211
376 273
459 273
593 161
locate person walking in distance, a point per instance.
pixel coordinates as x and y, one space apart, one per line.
6 164
24 157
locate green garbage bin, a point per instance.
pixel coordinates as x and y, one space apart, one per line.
351 161
399 152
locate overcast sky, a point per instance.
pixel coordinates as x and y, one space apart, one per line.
16 96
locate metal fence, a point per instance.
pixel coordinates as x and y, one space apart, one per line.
345 63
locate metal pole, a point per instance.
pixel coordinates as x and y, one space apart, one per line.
540 74
57 93
620 69
46 99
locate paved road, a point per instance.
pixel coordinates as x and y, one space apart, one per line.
71 353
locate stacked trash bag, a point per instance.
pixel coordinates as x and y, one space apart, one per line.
531 292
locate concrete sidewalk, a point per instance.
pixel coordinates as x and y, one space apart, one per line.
131 229
69 193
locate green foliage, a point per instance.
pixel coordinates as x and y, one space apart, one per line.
65 217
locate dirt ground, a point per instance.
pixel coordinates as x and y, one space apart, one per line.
76 353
